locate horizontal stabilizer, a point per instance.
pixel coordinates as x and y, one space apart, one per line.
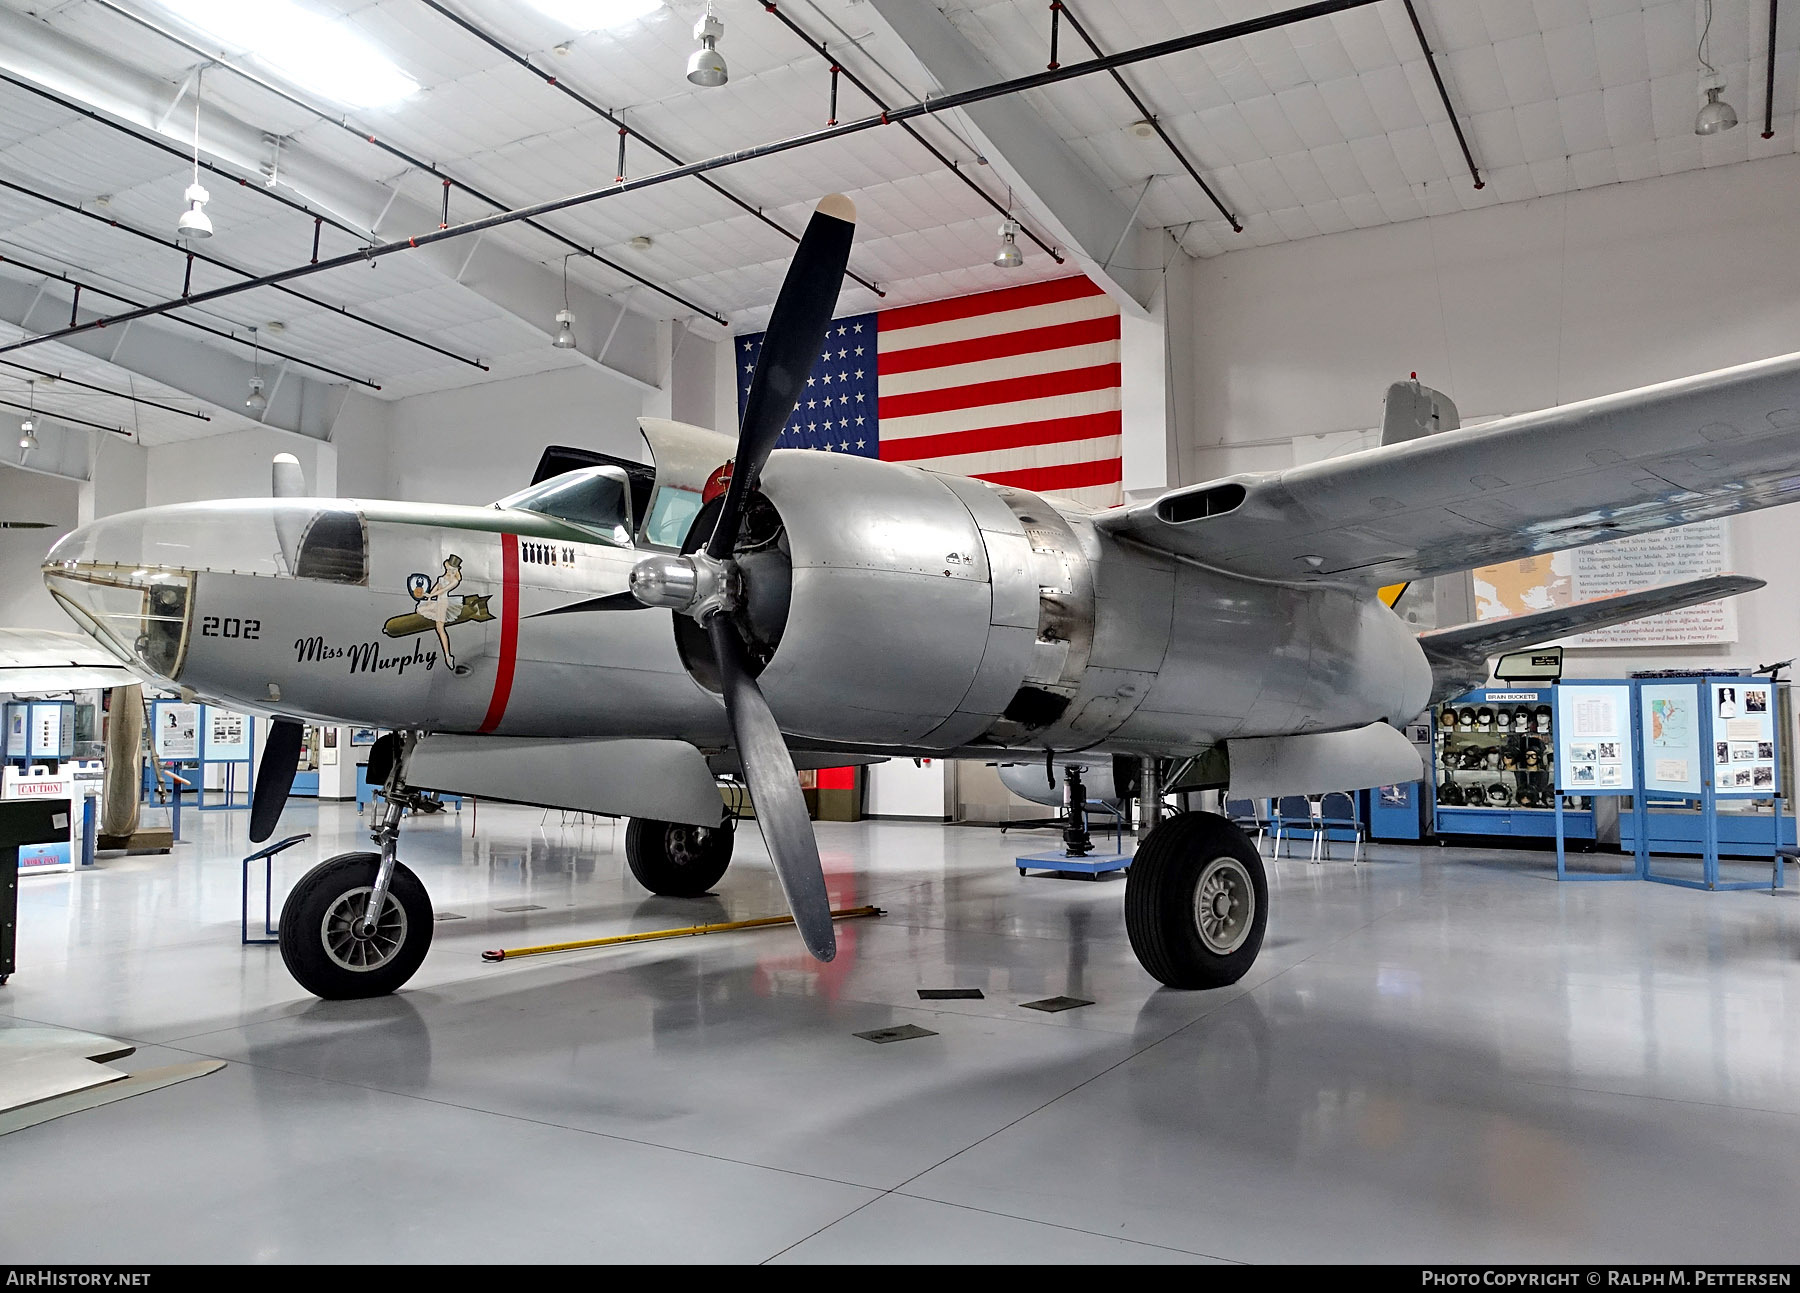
1459 655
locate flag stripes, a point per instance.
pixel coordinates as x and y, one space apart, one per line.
1019 386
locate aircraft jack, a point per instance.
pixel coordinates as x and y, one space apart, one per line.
1078 856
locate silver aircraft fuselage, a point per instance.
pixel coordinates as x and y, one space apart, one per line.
919 613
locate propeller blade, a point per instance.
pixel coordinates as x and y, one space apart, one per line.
775 790
796 330
611 602
274 777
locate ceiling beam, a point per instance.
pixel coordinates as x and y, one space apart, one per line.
304 405
1087 220
34 52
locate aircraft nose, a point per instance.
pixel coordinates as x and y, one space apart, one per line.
123 579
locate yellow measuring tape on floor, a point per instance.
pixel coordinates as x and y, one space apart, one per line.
650 936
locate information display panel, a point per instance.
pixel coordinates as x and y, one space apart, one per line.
1594 748
1743 737
1671 727
177 731
227 735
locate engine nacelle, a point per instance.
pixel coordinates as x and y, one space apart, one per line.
890 630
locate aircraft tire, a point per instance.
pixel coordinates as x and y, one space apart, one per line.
675 860
1196 902
322 946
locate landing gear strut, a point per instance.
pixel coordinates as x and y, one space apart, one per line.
1077 843
359 924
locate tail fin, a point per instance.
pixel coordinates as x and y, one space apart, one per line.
1412 411
1459 655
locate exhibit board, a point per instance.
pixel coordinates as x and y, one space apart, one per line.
17 718
49 730
177 730
1594 748
1743 735
227 736
1671 717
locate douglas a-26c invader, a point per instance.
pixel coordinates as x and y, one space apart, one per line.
615 635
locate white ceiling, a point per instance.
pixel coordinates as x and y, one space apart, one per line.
1329 126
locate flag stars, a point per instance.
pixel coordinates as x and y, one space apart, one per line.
843 377
749 368
827 379
857 327
809 381
859 373
842 353
859 397
859 350
862 444
746 347
841 329
859 420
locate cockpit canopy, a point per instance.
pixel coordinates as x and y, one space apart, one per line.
597 499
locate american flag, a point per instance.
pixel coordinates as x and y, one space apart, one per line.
1018 386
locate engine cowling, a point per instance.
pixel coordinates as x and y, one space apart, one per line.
911 617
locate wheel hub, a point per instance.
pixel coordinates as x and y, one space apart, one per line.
1224 905
349 944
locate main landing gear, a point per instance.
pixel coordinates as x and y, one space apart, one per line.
1196 902
675 860
359 924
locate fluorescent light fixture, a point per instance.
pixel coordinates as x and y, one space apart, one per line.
595 15
319 52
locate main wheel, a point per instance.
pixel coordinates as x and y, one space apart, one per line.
322 940
1196 902
676 860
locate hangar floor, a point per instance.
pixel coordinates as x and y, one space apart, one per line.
1441 1055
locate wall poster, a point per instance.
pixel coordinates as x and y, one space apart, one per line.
1618 566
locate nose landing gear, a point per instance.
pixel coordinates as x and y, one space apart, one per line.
359 924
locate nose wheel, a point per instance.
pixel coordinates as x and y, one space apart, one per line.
332 947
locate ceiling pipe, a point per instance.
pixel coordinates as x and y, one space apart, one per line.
1444 94
1769 81
118 395
64 417
1147 115
186 155
612 119
143 311
193 253
411 159
819 48
929 107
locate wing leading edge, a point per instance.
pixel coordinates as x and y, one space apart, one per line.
1650 459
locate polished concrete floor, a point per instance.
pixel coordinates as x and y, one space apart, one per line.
1441 1055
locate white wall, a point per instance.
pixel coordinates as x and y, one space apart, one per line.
901 788
480 443
233 465
32 496
1509 309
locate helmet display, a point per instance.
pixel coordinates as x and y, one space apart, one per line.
1521 719
1447 718
1509 759
1484 718
1498 795
1542 715
1465 719
1451 794
1526 797
1491 759
1533 758
1472 759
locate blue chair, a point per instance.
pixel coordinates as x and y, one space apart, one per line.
1337 812
1243 814
1294 816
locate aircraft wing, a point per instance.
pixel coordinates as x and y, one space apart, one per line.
36 660
1688 450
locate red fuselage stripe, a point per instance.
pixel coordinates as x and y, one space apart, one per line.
509 632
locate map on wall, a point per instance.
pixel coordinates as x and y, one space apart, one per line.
1621 565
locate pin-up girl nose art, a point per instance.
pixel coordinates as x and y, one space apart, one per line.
437 611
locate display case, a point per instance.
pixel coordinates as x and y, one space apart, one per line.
1494 767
